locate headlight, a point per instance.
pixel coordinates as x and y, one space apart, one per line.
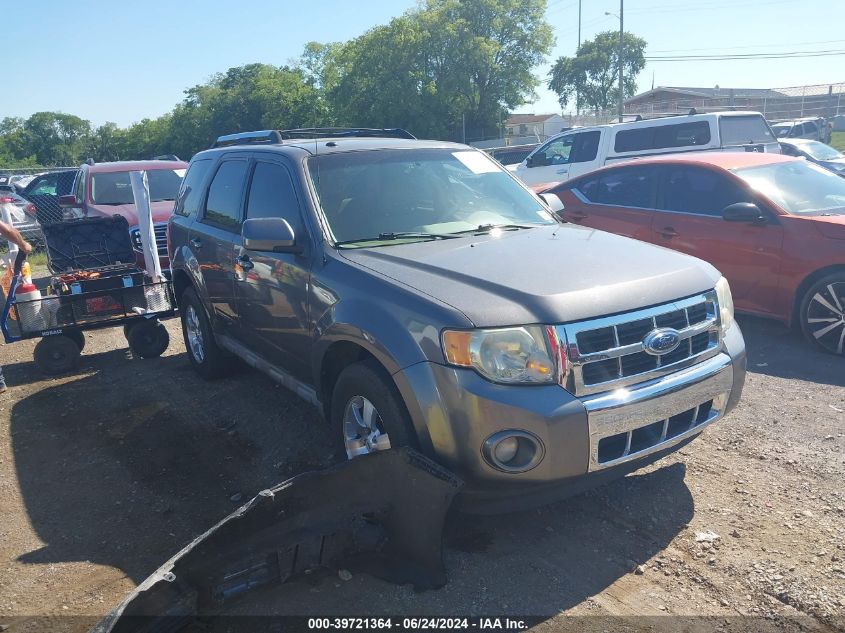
528 354
726 303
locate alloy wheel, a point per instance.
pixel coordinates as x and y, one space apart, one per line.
825 317
363 428
193 328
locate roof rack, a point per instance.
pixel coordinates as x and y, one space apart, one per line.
262 137
663 115
346 132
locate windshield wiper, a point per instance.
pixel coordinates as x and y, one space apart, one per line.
400 235
486 228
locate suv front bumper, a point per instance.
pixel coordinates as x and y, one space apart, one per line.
593 438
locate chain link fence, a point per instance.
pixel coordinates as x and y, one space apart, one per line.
776 104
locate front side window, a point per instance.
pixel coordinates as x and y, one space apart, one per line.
376 196
699 191
271 195
190 193
223 206
555 153
798 187
115 188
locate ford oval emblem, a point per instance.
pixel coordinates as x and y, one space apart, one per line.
661 341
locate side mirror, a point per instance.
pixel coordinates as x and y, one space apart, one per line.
553 201
744 212
272 235
68 202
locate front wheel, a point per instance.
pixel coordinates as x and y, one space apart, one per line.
148 339
56 355
823 314
367 412
206 357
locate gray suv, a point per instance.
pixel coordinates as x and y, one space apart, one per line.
420 295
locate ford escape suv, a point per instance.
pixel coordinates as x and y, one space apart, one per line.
419 294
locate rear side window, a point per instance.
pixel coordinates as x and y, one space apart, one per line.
586 147
223 206
271 195
663 136
744 130
699 191
190 194
630 187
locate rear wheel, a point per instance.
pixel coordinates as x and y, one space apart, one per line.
367 411
823 314
56 355
207 358
77 337
148 339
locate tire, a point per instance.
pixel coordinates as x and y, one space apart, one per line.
56 355
77 337
357 385
207 358
822 314
148 339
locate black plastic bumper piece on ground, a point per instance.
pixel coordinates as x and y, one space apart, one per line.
381 514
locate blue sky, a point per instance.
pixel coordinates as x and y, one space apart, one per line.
116 61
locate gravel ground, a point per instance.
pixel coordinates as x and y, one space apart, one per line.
106 473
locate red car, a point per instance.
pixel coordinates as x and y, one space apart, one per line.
772 224
103 189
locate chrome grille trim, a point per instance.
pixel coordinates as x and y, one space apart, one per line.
568 335
160 230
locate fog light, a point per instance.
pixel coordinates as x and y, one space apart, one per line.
506 450
513 451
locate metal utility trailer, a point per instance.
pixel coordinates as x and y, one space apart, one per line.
92 288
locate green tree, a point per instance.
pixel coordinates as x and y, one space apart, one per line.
593 74
448 61
55 138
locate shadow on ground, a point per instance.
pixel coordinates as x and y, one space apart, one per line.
124 466
776 350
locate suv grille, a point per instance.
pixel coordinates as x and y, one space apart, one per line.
161 239
609 353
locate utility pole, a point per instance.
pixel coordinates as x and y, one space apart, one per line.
621 54
621 57
577 95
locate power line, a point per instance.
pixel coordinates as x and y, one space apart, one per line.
791 55
735 48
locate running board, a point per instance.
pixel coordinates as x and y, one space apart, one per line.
278 374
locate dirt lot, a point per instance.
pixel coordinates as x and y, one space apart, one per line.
106 473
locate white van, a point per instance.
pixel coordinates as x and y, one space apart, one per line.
582 150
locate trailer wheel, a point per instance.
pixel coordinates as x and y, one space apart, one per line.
77 337
56 354
148 339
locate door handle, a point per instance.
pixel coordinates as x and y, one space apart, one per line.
245 263
668 232
562 171
196 242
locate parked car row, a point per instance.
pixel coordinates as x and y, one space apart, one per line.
97 190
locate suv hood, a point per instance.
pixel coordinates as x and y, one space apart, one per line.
162 210
542 275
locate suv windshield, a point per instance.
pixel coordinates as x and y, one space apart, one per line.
114 187
799 187
782 130
742 130
391 195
